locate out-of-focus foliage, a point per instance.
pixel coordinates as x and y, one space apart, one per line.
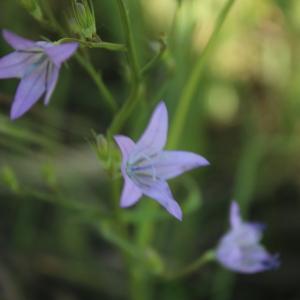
60 225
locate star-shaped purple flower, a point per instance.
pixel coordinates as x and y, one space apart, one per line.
240 249
146 166
37 64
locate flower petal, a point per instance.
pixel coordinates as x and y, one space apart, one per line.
160 191
235 218
126 146
14 65
257 259
169 164
155 135
130 194
240 249
16 41
59 53
247 260
51 80
30 89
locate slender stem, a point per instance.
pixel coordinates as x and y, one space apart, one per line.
104 91
207 257
52 20
125 112
192 84
132 54
91 44
155 58
136 89
90 212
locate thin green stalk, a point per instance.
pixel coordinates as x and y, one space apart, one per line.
104 45
132 53
104 91
90 212
125 111
252 154
52 20
207 257
155 58
136 89
192 84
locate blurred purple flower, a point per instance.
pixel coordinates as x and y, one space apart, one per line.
146 167
37 64
240 249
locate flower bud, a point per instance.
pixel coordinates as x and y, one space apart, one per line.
9 179
82 21
33 7
107 154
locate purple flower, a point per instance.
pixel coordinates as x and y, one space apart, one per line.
240 249
37 64
146 167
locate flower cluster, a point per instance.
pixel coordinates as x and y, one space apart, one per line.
146 166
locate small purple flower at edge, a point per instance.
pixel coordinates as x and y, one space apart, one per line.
146 166
240 249
37 64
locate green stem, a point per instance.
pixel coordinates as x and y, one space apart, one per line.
104 91
125 111
90 44
192 84
90 212
155 59
132 54
52 20
133 98
207 257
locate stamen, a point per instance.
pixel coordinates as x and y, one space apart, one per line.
141 166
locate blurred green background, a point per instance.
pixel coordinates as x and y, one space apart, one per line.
56 226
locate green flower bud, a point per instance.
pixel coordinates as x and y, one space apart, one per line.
33 7
107 154
82 21
9 178
49 175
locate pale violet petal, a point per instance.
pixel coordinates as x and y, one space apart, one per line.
246 260
126 146
59 53
16 41
51 80
43 44
228 254
130 194
14 65
30 89
235 218
247 233
155 135
169 164
160 191
240 249
257 259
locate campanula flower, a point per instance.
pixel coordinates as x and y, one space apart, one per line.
37 64
240 249
146 166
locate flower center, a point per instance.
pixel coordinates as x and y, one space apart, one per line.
143 166
40 59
